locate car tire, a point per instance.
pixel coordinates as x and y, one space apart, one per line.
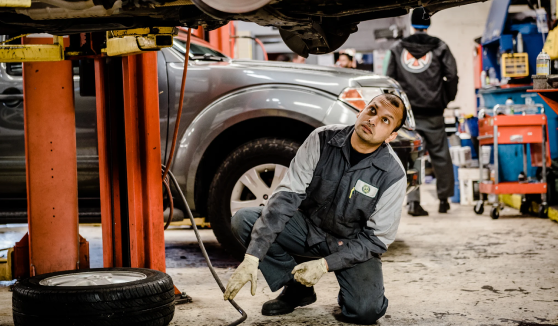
142 302
246 157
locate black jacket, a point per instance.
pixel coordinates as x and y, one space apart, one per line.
355 209
419 63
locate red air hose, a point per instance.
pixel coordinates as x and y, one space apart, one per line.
176 126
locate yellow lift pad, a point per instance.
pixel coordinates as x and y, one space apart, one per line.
138 40
15 3
33 52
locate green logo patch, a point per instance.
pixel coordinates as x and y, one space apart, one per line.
366 189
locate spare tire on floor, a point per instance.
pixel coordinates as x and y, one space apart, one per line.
100 296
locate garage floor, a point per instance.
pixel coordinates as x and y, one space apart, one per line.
454 269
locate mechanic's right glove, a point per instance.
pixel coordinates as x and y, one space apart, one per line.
246 271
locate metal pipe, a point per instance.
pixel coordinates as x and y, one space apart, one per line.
242 313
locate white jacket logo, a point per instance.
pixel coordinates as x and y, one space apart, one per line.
413 64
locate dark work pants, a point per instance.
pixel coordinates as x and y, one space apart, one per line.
433 132
361 296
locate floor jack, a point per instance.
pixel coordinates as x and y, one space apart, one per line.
130 167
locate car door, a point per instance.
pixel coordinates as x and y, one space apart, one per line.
12 139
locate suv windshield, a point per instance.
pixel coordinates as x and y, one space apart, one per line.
197 50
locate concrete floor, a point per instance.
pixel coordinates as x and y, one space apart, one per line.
454 269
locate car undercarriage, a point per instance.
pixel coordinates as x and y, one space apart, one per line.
306 26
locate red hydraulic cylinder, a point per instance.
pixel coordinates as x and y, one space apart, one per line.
130 163
108 174
51 166
143 161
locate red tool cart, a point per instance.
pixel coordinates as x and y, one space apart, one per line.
527 129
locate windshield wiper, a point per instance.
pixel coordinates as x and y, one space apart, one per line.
208 57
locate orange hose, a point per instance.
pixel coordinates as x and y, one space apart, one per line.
180 104
262 46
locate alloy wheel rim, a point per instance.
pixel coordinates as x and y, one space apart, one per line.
255 186
93 278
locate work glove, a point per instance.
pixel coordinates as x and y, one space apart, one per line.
309 273
246 271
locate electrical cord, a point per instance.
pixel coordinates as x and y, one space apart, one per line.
202 247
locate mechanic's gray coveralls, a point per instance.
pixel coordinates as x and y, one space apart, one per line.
326 208
427 72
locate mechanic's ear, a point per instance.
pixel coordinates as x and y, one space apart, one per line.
358 114
391 137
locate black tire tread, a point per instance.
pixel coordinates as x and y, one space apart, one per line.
104 304
160 316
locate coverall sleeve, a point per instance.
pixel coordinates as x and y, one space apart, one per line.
449 71
378 233
286 199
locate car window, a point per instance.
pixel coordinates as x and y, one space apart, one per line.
14 68
196 49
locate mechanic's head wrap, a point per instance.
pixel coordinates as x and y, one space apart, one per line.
420 19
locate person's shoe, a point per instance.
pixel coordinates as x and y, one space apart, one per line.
416 210
444 206
293 295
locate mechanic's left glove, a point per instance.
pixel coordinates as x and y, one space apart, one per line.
309 273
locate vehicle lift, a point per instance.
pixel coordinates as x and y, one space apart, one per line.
127 100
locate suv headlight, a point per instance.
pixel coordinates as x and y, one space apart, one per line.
359 97
410 122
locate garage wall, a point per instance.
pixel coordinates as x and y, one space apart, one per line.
458 27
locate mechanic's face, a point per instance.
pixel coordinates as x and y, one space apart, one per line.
375 124
344 62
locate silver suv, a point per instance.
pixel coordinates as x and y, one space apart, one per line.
243 123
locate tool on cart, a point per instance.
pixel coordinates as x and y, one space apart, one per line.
527 129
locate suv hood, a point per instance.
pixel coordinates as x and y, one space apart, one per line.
330 79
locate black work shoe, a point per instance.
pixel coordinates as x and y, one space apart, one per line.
416 210
293 295
444 206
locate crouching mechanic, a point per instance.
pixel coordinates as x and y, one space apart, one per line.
338 205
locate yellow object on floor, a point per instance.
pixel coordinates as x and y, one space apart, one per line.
515 201
6 266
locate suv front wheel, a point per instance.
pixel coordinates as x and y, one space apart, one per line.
247 178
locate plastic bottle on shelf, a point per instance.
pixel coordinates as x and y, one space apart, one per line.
483 78
543 64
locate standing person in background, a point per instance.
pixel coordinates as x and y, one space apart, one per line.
345 60
427 72
283 58
299 59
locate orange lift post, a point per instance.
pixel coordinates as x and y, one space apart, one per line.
53 242
127 100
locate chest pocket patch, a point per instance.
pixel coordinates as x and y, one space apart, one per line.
366 189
